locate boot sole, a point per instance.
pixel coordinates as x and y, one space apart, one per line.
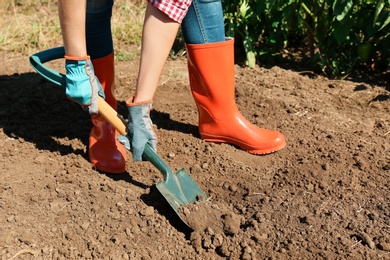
109 170
244 148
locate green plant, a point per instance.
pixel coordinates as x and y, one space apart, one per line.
344 32
337 33
240 20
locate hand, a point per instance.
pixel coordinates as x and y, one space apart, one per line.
140 129
82 86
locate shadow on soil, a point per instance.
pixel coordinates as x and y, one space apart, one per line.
37 111
156 200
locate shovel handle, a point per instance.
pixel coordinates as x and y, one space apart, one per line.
105 110
37 60
113 118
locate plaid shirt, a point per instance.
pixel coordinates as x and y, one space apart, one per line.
175 9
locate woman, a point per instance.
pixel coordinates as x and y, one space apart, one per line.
90 61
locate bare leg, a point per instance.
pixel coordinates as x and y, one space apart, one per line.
72 15
158 35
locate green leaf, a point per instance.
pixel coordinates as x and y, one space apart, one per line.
244 8
382 16
307 10
251 58
250 54
378 10
341 8
341 32
230 30
385 23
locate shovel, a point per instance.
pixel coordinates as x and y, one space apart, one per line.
177 188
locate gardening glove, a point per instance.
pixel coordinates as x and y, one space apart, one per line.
82 86
140 129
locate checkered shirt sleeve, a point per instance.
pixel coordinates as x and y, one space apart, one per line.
175 9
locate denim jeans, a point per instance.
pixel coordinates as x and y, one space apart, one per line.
98 28
204 22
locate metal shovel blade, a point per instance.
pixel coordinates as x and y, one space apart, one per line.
180 189
177 188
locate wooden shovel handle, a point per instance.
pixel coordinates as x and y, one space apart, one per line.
112 117
105 110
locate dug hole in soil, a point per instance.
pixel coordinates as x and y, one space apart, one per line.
325 195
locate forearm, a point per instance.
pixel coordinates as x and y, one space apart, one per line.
72 15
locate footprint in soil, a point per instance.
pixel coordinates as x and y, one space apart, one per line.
215 227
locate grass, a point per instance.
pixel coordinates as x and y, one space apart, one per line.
29 26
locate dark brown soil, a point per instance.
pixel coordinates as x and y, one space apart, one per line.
326 195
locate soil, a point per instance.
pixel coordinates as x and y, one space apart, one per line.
324 196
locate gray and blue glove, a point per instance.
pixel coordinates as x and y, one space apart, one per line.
82 86
140 129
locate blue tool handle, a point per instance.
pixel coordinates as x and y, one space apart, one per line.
37 62
154 159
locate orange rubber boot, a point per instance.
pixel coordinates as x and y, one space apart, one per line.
105 152
211 72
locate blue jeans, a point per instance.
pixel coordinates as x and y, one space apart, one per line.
204 22
98 28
